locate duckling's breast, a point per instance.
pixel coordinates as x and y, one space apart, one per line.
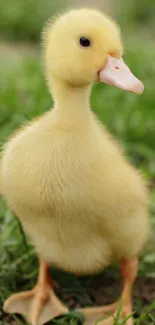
78 199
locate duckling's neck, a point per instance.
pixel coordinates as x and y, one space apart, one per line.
71 103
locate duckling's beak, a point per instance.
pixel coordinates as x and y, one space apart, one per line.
117 73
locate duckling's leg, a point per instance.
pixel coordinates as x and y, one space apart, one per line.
128 269
38 305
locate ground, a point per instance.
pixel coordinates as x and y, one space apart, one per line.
131 119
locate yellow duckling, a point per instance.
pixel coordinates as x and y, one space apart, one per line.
79 200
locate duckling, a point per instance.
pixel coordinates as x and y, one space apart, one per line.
78 198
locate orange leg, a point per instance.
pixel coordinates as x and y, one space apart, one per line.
38 305
128 269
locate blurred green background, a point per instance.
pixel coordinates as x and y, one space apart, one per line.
23 20
24 94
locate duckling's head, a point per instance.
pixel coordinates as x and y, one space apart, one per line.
83 46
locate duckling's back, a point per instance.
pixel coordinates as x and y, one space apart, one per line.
78 199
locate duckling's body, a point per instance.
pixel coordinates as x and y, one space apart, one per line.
82 204
78 198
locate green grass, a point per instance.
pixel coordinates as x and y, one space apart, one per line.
23 20
129 117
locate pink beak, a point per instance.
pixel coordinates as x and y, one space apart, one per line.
117 73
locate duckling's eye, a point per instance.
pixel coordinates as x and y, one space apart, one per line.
85 42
